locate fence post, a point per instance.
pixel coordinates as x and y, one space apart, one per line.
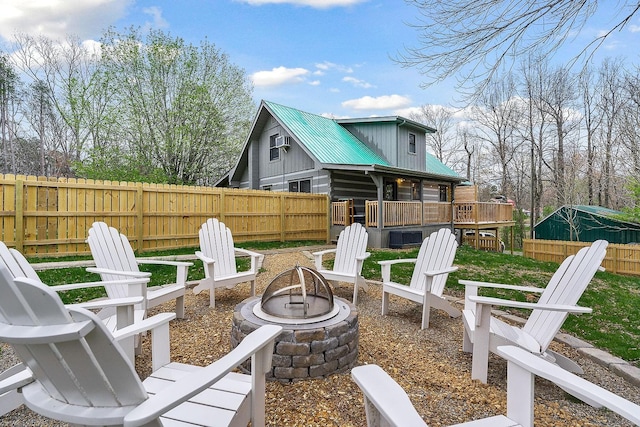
19 239
282 218
140 216
222 206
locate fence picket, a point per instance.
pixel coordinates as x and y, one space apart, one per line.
51 216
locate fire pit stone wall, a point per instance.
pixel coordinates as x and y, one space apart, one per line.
314 350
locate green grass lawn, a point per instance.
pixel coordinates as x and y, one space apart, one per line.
613 326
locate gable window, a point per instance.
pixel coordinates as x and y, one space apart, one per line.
274 152
302 186
412 143
443 193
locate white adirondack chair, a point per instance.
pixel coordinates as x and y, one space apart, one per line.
124 331
115 259
432 267
115 313
484 333
218 255
351 251
79 376
387 404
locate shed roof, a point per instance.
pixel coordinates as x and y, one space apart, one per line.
325 138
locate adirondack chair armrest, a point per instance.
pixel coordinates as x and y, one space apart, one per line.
363 257
147 324
205 259
248 252
318 257
188 386
15 377
385 267
570 382
181 267
44 334
529 305
447 270
158 325
109 302
139 274
256 258
386 396
183 264
475 284
71 286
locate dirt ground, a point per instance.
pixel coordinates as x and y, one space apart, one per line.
428 364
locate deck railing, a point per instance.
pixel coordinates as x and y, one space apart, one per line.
423 213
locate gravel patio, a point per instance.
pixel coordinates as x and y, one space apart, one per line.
428 364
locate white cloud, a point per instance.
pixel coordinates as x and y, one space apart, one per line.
156 14
59 18
318 4
315 83
327 66
357 82
279 76
384 102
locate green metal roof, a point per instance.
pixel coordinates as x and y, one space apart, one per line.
436 167
597 210
328 141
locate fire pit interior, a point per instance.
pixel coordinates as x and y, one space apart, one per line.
295 295
320 331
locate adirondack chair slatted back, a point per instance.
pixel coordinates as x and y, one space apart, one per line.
69 351
436 253
216 242
16 263
111 250
352 242
565 287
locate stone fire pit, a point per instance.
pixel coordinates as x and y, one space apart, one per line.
310 346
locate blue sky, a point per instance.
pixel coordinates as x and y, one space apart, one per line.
322 56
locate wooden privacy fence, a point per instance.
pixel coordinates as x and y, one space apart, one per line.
620 259
51 216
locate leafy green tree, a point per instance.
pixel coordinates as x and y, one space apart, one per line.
183 109
632 214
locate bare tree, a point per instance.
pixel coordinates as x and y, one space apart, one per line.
443 141
558 101
591 122
478 37
8 99
610 102
497 113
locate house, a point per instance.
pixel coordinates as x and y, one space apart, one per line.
583 223
375 170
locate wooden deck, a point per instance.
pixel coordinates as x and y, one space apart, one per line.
472 215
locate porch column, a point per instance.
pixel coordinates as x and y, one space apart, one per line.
379 181
453 207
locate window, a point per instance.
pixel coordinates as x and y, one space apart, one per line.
412 143
302 186
416 190
274 152
443 193
266 188
390 190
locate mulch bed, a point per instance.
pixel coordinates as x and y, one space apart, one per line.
429 365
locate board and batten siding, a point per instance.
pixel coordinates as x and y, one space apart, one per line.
392 142
380 137
415 161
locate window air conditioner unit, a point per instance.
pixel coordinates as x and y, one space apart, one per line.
282 141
